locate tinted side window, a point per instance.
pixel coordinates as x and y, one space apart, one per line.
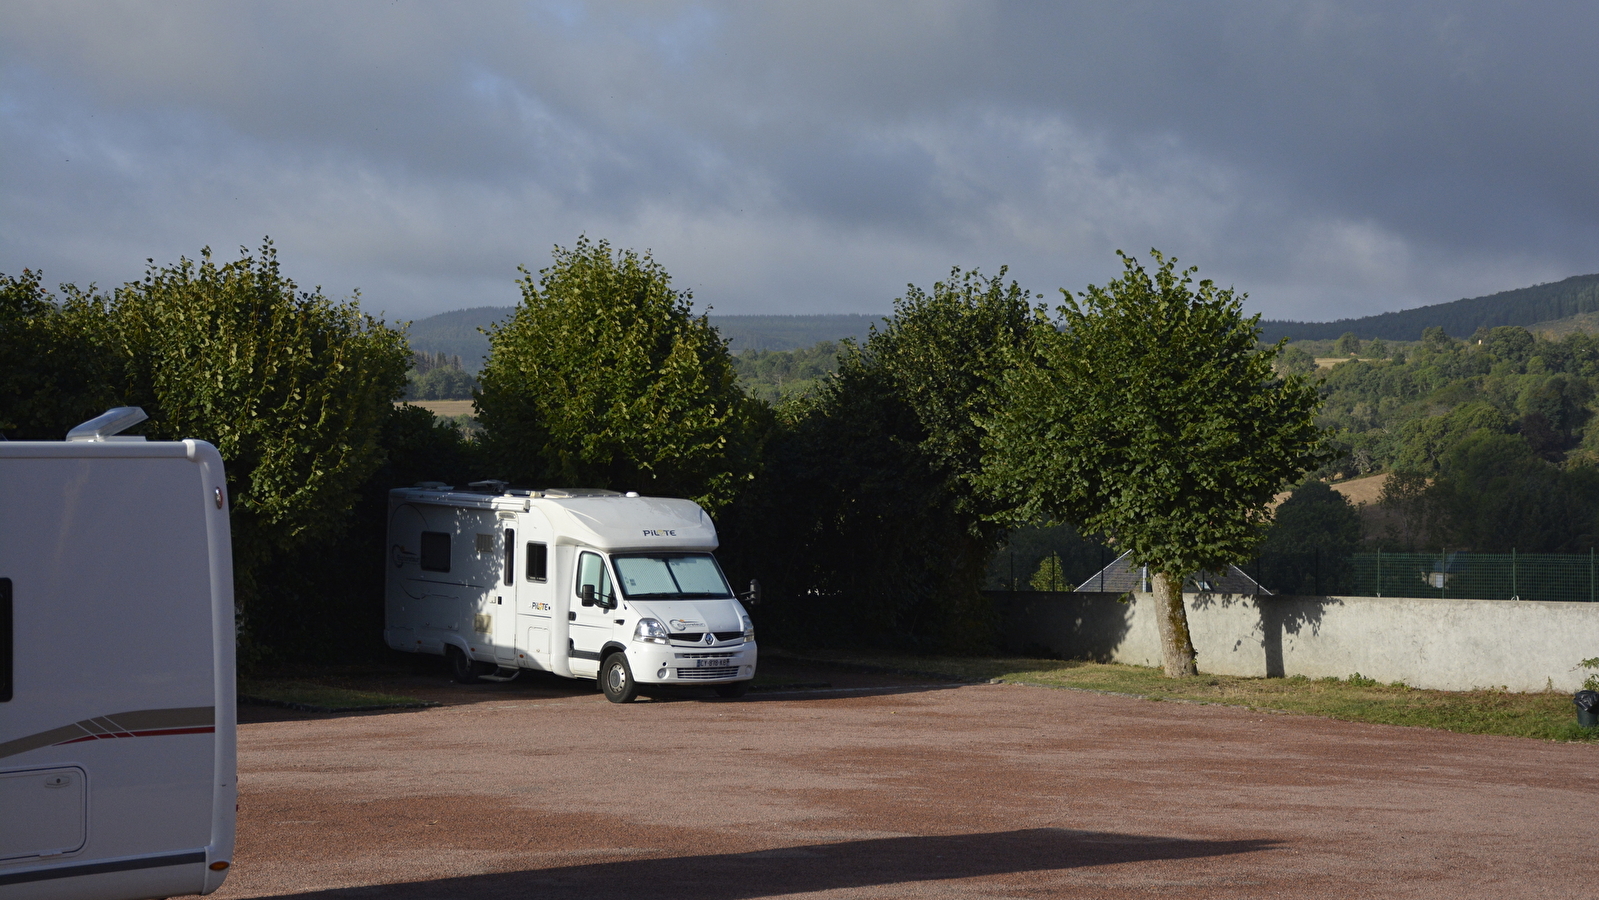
538 562
510 555
435 551
7 640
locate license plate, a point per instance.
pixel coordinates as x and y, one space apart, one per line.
712 663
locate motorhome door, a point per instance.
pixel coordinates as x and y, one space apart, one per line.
535 591
592 606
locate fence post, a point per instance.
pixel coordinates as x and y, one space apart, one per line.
1379 571
1515 590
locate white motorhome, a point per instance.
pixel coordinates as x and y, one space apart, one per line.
117 775
583 583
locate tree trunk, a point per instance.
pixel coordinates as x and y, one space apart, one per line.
1176 646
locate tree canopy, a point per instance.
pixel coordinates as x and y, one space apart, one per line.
865 511
1151 416
605 377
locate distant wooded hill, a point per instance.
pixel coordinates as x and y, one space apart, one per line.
456 333
1525 307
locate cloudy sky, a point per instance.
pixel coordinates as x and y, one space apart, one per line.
1331 159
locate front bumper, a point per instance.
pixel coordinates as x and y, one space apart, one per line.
691 663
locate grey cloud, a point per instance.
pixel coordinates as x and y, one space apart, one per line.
1331 158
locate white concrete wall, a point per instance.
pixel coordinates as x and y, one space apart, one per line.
1428 643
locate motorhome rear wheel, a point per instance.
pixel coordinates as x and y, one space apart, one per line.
465 670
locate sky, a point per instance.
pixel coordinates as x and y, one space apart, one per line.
1329 159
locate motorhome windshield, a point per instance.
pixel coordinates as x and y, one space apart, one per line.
671 576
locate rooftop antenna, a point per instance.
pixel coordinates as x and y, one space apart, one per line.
105 427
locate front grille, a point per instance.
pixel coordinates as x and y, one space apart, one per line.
697 637
703 655
721 672
694 637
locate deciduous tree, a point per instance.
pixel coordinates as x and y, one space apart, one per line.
605 377
1150 415
293 388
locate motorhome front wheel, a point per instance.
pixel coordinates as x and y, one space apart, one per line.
616 677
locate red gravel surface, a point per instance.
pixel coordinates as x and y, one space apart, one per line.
889 787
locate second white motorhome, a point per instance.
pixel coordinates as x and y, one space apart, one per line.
116 666
594 584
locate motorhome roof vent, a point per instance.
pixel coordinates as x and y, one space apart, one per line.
489 486
432 486
105 426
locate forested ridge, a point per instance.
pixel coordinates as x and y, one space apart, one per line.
1523 306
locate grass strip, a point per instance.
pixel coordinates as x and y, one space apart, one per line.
1545 716
308 697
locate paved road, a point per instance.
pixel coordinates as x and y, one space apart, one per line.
543 790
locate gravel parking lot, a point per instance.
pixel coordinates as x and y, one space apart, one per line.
893 787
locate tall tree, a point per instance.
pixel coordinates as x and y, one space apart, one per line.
294 390
605 377
865 504
1150 415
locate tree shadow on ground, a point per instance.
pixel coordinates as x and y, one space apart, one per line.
813 868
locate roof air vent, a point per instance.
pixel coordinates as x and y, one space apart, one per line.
105 426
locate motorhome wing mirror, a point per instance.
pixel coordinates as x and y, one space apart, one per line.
587 593
754 595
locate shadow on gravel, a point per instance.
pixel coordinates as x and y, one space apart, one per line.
813 867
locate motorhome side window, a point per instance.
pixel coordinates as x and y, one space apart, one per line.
510 556
435 551
7 640
538 562
591 572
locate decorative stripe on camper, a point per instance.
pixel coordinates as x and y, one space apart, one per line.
131 724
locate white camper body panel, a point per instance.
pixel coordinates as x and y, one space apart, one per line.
117 772
503 588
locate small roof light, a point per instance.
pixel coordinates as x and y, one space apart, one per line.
105 426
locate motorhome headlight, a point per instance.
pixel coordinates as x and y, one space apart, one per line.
651 631
749 629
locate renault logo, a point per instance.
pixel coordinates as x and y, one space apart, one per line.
709 638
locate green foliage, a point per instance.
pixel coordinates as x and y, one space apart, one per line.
1493 495
1050 575
327 603
1348 345
53 371
774 375
443 383
1402 413
1591 683
1296 361
1027 546
604 377
1311 542
293 389
864 512
1151 417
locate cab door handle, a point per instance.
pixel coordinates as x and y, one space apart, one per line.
571 615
